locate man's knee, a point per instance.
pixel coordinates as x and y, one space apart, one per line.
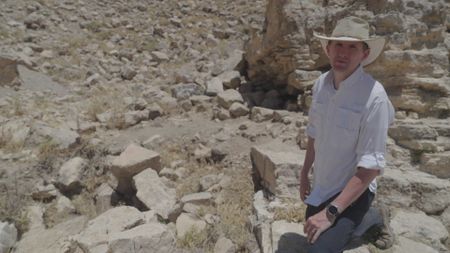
318 248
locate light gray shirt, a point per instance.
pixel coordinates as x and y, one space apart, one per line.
350 127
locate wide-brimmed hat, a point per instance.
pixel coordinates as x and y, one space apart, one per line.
354 29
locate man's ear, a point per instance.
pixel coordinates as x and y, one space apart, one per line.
366 53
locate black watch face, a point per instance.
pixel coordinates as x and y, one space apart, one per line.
333 210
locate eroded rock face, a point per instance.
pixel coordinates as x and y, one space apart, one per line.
414 66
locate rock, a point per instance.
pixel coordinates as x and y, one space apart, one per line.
277 167
200 100
302 79
99 230
408 131
419 227
35 21
70 175
184 91
238 110
54 240
155 111
217 155
400 186
221 114
201 198
214 86
170 174
263 234
135 117
92 80
127 72
153 142
9 73
260 114
131 162
8 236
103 198
35 81
187 223
160 56
435 202
436 164
260 207
153 237
153 193
44 192
202 152
62 137
48 54
228 97
445 217
230 79
406 245
64 205
224 245
288 237
209 180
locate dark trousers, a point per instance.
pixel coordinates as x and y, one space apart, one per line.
339 235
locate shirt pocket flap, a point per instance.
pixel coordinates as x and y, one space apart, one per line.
348 119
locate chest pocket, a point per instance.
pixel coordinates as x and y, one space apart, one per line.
348 120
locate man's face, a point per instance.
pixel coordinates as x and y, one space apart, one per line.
345 56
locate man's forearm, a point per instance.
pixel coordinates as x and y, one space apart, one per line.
309 157
355 187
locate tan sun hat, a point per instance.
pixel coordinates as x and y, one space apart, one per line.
354 29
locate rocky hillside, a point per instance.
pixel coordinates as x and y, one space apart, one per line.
167 126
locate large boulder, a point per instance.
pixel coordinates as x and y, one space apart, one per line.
406 188
70 175
277 166
436 164
153 193
152 237
8 236
53 240
99 230
419 227
131 162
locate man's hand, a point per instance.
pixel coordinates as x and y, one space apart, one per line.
316 225
305 187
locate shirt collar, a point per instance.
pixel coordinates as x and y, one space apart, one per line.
352 79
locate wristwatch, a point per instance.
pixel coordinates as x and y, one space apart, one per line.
332 212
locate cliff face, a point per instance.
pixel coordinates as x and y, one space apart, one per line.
414 67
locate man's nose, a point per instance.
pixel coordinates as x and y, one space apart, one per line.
343 51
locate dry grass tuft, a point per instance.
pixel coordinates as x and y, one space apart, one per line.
7 142
107 100
47 150
235 211
12 206
195 240
293 211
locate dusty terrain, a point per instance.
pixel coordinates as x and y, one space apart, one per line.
82 79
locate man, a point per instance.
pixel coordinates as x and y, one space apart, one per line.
347 131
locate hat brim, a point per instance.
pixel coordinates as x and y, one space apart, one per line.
375 44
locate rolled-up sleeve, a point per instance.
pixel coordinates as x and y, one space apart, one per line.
371 146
